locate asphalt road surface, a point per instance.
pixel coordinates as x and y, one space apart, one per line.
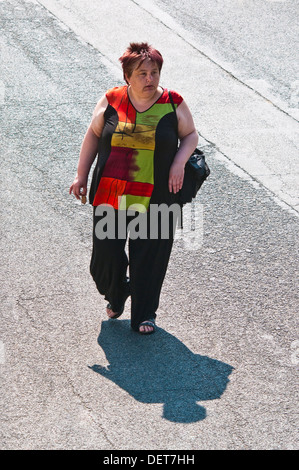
221 371
256 40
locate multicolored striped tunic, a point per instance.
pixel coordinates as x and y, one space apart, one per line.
135 153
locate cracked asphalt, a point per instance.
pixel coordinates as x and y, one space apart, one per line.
221 371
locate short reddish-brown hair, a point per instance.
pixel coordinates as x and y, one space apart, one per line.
138 53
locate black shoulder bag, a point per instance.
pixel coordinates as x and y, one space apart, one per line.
196 172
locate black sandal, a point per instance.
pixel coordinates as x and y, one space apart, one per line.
150 323
118 314
121 311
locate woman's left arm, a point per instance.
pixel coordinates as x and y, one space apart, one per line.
188 141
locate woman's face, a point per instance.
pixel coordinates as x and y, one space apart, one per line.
144 80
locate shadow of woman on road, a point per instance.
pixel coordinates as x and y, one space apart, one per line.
160 369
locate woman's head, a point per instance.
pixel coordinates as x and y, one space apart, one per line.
136 54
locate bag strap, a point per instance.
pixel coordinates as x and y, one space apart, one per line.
173 107
174 110
171 100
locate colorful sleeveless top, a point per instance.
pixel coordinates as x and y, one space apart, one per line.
135 153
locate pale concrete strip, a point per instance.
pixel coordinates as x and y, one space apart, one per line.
244 127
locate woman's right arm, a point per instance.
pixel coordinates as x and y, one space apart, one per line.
89 149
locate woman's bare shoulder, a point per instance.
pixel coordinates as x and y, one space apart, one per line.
97 120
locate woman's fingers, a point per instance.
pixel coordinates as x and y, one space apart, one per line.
175 184
176 177
78 190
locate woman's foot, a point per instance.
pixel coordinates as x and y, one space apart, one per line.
111 314
147 327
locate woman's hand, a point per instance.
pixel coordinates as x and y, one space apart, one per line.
176 177
79 187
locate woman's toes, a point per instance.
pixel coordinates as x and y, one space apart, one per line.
147 327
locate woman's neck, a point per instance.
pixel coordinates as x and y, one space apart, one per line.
141 103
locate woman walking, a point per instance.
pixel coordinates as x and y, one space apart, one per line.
135 132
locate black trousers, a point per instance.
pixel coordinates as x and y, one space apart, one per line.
147 260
